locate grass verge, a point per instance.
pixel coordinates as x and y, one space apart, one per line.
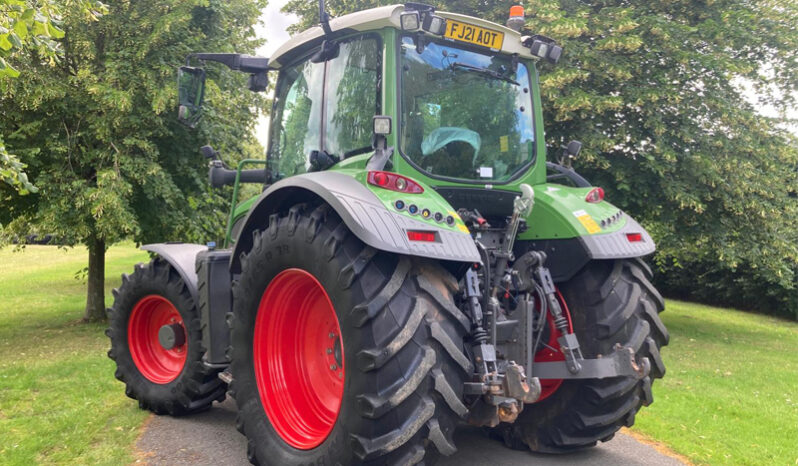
730 395
59 401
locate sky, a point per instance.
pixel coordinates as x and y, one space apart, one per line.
272 28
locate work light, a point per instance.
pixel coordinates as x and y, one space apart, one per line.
382 125
434 24
409 20
548 50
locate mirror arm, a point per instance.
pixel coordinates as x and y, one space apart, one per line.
235 61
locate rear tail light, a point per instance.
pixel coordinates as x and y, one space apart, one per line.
634 237
595 196
425 236
394 182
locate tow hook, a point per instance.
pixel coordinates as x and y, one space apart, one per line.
516 384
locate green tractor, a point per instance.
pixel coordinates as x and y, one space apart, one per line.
412 263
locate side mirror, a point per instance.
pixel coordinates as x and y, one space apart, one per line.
570 152
258 82
190 92
573 148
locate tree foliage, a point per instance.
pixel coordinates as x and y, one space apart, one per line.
99 133
29 27
665 97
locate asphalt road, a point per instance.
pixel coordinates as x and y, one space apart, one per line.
210 438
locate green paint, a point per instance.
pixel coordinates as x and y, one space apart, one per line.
428 200
553 214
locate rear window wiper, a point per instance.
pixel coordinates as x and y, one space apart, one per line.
485 72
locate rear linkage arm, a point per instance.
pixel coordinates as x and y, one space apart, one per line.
503 387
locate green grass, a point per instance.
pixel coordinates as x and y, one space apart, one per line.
59 401
730 395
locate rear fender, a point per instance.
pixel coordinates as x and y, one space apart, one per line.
362 212
573 231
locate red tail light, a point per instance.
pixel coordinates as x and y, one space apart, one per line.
595 196
394 182
634 237
426 236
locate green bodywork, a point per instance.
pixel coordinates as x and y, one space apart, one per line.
560 211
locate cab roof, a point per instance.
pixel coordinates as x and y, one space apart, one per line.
388 16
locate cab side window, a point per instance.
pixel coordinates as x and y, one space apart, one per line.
297 119
352 97
350 93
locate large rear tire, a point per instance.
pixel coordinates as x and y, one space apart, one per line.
314 303
165 381
610 302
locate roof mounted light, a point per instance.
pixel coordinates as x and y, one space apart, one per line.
409 20
516 19
434 24
543 47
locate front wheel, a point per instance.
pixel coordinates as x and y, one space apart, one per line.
156 342
610 302
342 354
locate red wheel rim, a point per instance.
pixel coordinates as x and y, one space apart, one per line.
299 359
156 363
551 352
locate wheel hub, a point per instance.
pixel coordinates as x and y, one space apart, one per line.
157 339
171 336
299 359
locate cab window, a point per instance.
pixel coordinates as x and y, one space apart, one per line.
297 119
347 86
352 97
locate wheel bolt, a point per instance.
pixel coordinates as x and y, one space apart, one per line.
332 335
329 350
333 367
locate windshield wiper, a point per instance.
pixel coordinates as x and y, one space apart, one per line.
484 71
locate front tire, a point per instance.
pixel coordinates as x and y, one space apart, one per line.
401 348
610 302
165 381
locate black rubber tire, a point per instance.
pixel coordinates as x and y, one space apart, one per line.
197 386
610 302
402 337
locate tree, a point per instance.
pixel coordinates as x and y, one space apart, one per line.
31 27
661 93
99 133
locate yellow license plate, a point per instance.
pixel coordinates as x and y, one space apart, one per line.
473 34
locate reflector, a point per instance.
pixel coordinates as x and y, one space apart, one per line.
634 237
426 236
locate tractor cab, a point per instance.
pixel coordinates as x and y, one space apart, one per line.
460 93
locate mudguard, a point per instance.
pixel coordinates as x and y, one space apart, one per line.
572 231
568 255
362 212
182 257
